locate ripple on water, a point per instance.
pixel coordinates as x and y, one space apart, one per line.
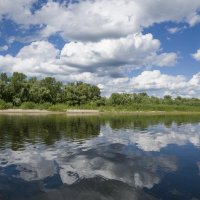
99 158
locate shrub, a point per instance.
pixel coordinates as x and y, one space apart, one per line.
9 105
58 107
28 105
2 104
44 106
17 101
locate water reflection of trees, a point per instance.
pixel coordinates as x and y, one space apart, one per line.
142 122
17 130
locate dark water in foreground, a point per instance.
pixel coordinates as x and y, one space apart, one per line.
99 158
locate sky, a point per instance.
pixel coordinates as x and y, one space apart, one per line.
121 46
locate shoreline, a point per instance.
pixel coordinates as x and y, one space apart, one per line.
92 112
28 111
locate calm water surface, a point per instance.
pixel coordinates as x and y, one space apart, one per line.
99 158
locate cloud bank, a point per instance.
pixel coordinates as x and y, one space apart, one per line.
104 43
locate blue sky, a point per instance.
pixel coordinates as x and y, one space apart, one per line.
185 42
121 46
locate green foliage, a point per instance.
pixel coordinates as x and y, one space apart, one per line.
9 105
28 105
58 107
100 102
80 93
18 89
4 105
53 88
142 101
50 94
44 106
17 101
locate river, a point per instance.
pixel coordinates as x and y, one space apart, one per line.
55 157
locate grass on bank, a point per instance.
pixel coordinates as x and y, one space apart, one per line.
107 108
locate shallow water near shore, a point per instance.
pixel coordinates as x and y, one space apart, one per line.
99 157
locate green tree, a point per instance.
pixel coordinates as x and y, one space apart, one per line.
80 93
55 89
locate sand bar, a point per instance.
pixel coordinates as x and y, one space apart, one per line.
91 112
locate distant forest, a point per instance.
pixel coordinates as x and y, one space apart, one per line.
19 91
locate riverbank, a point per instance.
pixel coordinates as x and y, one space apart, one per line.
93 112
28 111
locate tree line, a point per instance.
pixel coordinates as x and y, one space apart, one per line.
18 89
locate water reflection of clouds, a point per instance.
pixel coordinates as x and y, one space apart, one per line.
198 165
94 189
138 171
154 138
109 156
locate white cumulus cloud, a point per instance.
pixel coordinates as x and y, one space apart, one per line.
3 48
196 55
104 42
99 19
111 57
96 64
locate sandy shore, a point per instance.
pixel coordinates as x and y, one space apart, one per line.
83 111
91 112
46 112
23 111
28 111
